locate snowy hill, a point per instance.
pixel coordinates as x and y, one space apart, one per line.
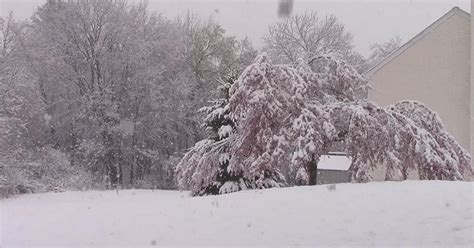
375 214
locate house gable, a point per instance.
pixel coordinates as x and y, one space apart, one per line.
433 68
454 11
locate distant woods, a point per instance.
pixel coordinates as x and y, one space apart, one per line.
111 85
96 93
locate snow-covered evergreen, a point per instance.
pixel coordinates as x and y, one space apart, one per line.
204 166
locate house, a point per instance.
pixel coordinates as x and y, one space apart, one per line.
434 67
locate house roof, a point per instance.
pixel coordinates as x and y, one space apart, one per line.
335 161
396 53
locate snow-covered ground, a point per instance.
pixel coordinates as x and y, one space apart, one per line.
374 214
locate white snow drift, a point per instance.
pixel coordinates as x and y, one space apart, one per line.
430 213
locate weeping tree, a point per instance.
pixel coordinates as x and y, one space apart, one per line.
385 137
286 117
423 117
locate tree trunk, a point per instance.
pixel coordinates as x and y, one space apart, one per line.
313 172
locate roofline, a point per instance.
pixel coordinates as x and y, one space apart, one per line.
412 41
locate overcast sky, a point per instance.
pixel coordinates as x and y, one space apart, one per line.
370 20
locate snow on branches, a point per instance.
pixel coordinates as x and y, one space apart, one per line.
279 129
398 140
204 168
457 158
284 118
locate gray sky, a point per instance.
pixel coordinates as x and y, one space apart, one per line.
369 20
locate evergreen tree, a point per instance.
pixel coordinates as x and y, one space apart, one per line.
219 125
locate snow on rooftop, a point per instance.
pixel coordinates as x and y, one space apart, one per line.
335 162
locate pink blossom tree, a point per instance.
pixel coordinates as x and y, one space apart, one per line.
286 117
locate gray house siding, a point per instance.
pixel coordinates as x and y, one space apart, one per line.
333 176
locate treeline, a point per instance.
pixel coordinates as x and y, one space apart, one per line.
97 93
110 87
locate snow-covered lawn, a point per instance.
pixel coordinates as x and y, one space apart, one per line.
374 214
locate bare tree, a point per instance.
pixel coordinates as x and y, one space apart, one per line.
20 104
308 35
209 54
96 64
379 51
